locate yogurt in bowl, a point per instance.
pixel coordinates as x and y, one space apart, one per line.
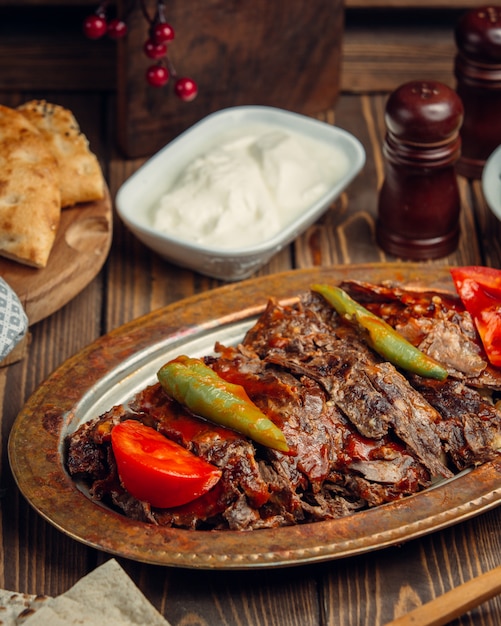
230 192
250 185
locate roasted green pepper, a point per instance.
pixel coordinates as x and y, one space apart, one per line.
380 336
205 393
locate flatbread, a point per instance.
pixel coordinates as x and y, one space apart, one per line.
30 200
80 175
16 608
105 596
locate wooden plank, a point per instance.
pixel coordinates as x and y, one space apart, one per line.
456 602
366 4
44 48
238 56
413 4
383 49
378 62
45 3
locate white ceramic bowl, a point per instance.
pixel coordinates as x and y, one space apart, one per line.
141 192
491 182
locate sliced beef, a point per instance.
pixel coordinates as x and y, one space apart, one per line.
360 432
470 425
324 441
370 393
87 453
90 458
220 446
437 323
413 418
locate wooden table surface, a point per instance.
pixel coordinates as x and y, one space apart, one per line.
369 590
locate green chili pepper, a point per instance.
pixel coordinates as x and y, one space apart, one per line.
384 339
205 393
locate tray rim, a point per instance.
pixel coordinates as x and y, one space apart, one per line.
42 480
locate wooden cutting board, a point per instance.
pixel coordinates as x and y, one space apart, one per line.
79 252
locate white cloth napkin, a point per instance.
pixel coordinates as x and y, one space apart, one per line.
13 320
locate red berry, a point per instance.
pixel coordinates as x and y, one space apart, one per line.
117 29
186 89
94 26
157 75
162 32
154 50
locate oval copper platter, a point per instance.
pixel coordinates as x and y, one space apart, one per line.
114 367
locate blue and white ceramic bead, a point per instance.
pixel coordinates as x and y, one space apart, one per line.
13 320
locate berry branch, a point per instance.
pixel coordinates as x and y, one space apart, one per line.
160 35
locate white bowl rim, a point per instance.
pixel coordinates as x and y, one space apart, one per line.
491 182
286 234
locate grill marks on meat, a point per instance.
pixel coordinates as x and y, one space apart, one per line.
218 445
470 427
89 457
361 432
413 419
326 446
436 323
372 394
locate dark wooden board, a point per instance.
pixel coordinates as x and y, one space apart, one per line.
254 52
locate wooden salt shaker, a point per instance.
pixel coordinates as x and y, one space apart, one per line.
419 203
478 74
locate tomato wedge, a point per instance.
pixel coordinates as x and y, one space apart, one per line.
480 291
157 470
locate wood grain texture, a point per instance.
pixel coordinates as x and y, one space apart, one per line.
384 43
387 47
413 4
80 249
382 62
455 602
349 3
369 590
238 55
42 46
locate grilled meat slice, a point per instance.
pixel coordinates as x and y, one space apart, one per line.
470 427
220 446
326 446
436 323
361 433
371 393
86 448
413 418
90 458
260 488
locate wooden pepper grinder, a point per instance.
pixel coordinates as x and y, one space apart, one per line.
478 74
419 203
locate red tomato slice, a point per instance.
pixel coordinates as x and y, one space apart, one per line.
480 291
157 470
